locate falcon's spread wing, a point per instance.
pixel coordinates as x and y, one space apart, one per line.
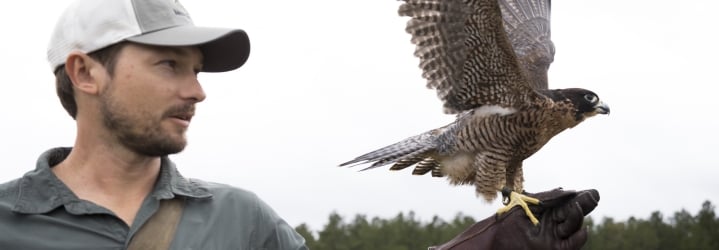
527 25
465 54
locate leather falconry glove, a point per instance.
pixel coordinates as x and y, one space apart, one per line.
560 213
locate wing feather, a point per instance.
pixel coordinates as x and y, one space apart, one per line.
527 23
465 54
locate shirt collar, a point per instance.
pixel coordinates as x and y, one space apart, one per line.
41 191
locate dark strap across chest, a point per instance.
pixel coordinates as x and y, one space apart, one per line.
159 230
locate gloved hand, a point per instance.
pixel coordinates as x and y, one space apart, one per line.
560 215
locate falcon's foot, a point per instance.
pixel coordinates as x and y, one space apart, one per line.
517 199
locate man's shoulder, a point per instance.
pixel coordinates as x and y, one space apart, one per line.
9 188
8 193
221 191
230 200
237 210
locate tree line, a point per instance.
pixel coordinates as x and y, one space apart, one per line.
682 230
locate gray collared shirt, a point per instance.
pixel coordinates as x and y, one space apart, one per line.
38 211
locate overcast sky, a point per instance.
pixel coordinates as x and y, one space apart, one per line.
328 80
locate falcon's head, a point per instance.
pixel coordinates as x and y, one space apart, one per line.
586 102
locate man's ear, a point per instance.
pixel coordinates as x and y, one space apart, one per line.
84 72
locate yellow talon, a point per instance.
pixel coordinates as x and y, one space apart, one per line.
517 199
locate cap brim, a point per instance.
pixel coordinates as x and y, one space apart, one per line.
222 49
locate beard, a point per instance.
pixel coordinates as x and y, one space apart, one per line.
140 131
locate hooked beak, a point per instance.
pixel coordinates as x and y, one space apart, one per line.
601 108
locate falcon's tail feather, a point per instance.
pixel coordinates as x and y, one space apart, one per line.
423 164
404 153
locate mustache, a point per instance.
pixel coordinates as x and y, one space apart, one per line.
180 110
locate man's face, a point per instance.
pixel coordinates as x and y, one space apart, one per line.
148 103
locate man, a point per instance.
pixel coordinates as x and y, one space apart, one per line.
126 71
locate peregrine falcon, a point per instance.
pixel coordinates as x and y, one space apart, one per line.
488 62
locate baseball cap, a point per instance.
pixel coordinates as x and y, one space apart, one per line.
90 25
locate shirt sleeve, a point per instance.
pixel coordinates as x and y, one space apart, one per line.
275 233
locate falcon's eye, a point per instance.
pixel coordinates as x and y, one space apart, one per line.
590 98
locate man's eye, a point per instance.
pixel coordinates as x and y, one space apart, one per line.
169 63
